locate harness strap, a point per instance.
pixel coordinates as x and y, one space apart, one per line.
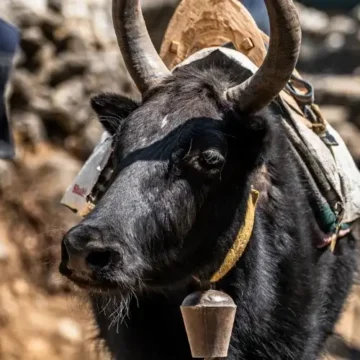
241 240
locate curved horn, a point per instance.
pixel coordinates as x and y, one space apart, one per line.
141 58
285 40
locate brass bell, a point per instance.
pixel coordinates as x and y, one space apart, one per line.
209 319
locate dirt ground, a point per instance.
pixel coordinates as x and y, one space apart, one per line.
346 345
40 315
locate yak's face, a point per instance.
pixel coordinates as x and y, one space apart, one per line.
183 160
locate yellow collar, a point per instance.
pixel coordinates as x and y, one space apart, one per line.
241 240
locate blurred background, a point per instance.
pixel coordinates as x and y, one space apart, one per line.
67 53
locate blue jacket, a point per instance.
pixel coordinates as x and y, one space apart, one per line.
258 11
9 41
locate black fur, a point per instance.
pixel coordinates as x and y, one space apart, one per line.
175 208
112 109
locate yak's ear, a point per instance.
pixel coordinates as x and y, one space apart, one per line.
112 109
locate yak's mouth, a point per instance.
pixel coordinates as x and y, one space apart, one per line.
89 283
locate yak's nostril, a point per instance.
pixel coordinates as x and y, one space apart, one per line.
98 259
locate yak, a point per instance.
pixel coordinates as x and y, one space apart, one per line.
186 157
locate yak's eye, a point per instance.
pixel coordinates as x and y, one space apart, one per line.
211 159
208 163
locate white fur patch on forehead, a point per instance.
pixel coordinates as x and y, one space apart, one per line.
235 55
164 121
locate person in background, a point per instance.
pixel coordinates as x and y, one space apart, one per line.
258 11
9 41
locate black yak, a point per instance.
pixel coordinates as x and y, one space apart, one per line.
186 159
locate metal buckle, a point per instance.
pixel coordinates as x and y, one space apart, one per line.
302 99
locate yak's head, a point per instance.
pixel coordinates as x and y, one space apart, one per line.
184 159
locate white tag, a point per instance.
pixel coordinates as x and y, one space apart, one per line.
76 196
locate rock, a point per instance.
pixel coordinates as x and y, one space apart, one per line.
20 287
336 90
38 349
69 330
82 144
7 174
42 105
35 62
100 30
356 13
55 283
63 68
62 109
49 23
38 6
342 24
30 242
32 40
356 120
70 42
29 127
309 51
45 55
55 5
79 9
313 21
335 41
350 133
335 115
68 93
22 90
19 59
107 72
339 117
24 16
4 251
331 42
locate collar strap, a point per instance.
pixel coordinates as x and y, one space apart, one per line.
241 240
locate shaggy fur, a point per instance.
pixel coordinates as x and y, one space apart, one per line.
185 161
